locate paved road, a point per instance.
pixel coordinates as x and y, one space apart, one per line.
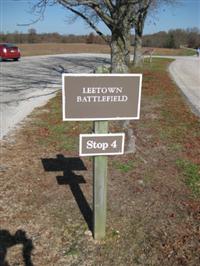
186 73
34 80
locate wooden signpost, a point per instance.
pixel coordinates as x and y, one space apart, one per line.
100 171
100 98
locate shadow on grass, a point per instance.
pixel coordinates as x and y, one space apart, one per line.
68 165
7 241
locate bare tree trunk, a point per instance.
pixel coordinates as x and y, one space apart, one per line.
139 26
120 60
138 49
120 52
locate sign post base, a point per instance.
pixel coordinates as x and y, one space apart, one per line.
100 165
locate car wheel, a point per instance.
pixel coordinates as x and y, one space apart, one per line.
15 59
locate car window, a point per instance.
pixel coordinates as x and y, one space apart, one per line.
10 45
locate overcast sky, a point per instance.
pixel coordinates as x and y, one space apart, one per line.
14 12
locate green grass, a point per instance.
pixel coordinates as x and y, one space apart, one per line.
157 64
175 147
175 52
124 167
52 131
191 172
188 52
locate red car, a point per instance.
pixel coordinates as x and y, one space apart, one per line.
9 51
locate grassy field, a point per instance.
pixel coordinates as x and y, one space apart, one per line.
153 195
60 48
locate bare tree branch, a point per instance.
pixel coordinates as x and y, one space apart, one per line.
109 4
39 8
92 25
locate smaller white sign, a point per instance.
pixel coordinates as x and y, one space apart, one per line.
101 144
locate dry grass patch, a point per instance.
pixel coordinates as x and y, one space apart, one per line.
63 48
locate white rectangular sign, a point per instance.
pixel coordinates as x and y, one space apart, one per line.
101 144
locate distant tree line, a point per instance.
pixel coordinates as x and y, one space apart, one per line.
171 39
33 37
